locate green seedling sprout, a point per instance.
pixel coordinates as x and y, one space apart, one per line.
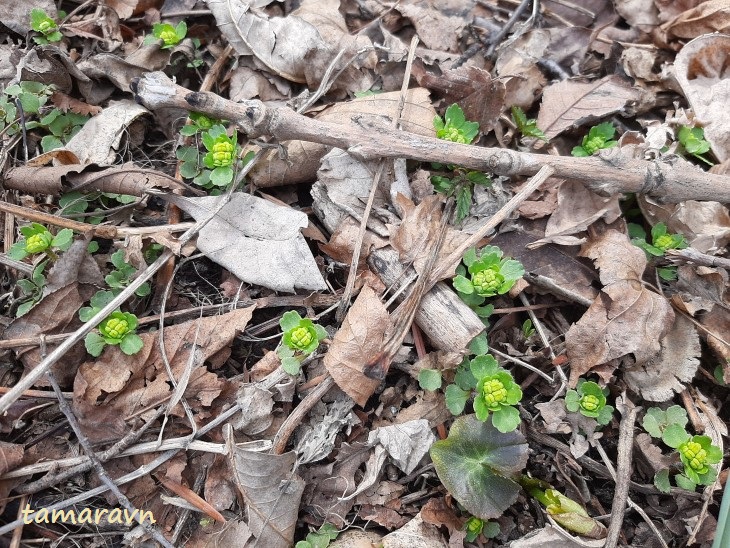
123 275
661 241
590 401
117 329
170 36
32 289
526 127
321 539
598 138
475 526
301 337
693 141
45 26
460 182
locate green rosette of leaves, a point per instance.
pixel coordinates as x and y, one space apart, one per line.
455 127
38 239
486 275
496 393
301 337
44 25
599 137
590 401
697 454
117 329
221 154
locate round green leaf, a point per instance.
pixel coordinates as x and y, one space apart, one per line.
429 379
463 285
131 344
290 320
94 344
506 419
291 365
456 399
674 435
476 463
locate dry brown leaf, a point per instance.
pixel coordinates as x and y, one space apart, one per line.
320 32
415 235
578 208
652 454
707 17
65 103
570 104
642 14
115 386
414 534
668 372
329 484
701 70
356 343
271 490
626 318
717 322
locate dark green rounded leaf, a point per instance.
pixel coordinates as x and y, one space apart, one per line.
476 463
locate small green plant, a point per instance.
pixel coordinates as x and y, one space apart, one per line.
198 123
590 401
215 169
564 510
321 539
495 393
599 137
527 329
32 95
32 289
693 141
696 453
454 126
301 337
38 239
459 182
123 275
76 204
170 36
475 526
486 274
45 26
117 329
8 115
526 127
62 128
661 241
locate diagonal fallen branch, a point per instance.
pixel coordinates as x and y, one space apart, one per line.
612 172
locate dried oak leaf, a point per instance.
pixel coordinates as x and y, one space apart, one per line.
625 318
359 339
706 18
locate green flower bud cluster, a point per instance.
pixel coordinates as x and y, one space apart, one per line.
223 153
599 137
496 393
43 24
301 337
170 36
694 456
114 327
489 274
454 127
38 243
590 401
38 239
117 329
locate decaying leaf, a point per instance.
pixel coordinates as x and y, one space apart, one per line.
578 208
414 534
702 72
406 443
271 490
115 386
320 32
706 17
626 318
415 235
256 240
316 439
356 343
571 104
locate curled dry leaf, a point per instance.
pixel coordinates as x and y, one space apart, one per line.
414 534
701 69
320 32
356 343
271 491
707 17
626 318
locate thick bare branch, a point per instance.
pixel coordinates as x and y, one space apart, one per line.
666 179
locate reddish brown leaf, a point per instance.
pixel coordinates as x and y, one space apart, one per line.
66 102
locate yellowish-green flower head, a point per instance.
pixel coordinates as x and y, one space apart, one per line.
37 243
664 242
487 282
494 393
115 328
302 337
589 402
695 455
223 153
